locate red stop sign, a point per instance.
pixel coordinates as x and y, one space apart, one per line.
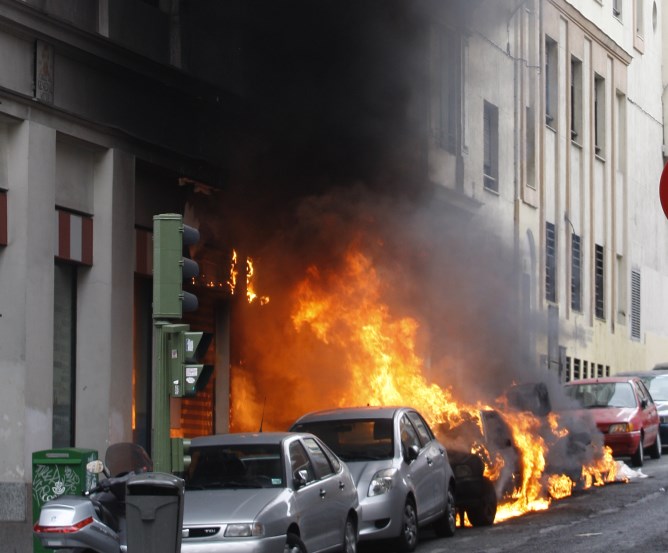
663 189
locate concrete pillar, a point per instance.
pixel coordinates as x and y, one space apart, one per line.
106 291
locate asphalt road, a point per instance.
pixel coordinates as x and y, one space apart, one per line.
610 519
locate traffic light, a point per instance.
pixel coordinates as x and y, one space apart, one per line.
185 351
171 268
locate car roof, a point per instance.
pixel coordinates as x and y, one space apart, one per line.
347 413
241 437
602 380
645 374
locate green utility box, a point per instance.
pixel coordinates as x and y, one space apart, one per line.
57 472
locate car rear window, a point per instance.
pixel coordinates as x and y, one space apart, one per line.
354 440
236 466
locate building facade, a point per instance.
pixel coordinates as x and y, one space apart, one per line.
544 117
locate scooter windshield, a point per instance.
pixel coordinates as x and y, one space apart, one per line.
126 457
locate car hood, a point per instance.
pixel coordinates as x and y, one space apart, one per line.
216 506
609 415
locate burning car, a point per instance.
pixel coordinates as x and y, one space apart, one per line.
624 412
571 441
403 477
486 462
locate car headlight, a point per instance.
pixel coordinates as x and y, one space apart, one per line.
620 427
244 530
381 482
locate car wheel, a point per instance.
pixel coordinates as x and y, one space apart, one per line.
294 544
446 525
655 450
484 513
408 538
638 458
350 536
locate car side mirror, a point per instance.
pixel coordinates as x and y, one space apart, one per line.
412 453
643 403
300 477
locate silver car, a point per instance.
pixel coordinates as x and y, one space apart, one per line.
403 477
272 492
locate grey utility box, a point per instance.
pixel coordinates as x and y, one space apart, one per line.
154 512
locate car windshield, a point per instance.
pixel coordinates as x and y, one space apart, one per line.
354 440
658 387
235 466
599 394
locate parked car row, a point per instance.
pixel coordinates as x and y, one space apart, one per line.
337 476
370 473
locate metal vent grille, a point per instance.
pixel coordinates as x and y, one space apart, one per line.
635 305
550 262
576 273
599 282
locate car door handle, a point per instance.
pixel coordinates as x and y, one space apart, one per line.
441 451
323 493
429 461
341 485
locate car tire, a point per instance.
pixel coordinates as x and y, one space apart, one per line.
656 449
408 537
350 536
294 544
447 524
638 458
484 513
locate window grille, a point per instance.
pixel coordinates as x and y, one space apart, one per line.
491 141
599 282
576 273
635 305
550 262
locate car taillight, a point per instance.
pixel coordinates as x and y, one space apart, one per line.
63 529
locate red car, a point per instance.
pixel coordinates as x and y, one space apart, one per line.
623 411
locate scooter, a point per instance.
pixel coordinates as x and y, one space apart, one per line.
95 521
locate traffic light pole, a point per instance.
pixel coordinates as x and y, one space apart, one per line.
177 371
160 442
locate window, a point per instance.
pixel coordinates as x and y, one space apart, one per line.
64 354
450 83
576 369
421 427
491 147
408 434
599 115
550 262
638 21
617 8
599 281
576 273
550 82
621 132
299 461
576 99
320 461
635 305
531 146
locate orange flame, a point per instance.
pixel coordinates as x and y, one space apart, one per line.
344 310
250 291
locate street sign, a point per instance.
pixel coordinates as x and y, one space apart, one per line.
663 189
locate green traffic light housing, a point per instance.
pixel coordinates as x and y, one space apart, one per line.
185 351
171 268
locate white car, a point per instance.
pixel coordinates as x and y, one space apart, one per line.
272 492
402 473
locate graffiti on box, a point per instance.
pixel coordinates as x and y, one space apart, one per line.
51 481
